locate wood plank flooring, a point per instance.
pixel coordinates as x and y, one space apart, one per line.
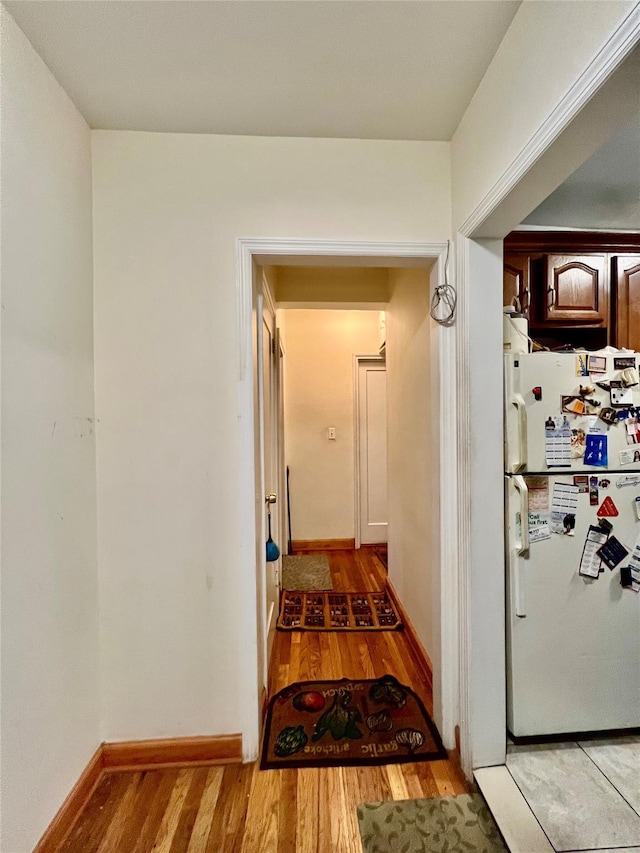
241 809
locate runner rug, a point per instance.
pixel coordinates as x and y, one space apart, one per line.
341 723
440 825
337 611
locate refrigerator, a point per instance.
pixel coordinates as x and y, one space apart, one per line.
572 529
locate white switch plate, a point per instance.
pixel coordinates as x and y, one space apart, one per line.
331 433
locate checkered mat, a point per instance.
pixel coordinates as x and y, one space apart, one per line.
337 611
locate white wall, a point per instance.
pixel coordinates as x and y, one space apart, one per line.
486 530
413 453
318 393
543 53
50 725
167 211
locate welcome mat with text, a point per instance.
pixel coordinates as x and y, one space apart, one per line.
348 722
337 611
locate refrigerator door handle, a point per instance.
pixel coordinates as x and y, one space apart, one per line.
520 463
523 491
517 584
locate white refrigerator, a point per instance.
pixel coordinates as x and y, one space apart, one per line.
572 497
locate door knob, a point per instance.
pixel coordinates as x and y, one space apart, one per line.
270 499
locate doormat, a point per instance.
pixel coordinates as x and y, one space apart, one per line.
460 824
337 611
306 572
348 722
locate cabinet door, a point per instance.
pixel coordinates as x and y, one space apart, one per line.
626 275
516 282
577 289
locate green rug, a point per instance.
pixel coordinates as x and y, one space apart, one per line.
306 572
440 825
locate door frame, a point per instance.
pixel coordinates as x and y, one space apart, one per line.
357 361
264 251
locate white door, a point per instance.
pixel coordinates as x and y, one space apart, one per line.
269 384
371 451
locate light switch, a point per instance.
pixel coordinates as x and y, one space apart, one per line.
331 433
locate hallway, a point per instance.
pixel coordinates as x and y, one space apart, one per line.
241 809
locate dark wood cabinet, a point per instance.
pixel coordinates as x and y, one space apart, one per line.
576 289
515 282
626 278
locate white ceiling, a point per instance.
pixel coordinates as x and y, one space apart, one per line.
604 193
326 68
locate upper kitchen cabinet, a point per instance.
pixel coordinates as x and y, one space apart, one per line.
626 282
576 290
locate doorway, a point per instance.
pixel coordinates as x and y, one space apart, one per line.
442 449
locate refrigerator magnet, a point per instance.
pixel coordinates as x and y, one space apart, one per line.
629 377
563 509
538 486
605 525
624 362
594 498
630 578
581 365
608 509
633 430
636 506
557 442
612 553
628 457
597 364
629 480
590 561
596 451
539 526
621 396
572 405
582 482
609 416
578 444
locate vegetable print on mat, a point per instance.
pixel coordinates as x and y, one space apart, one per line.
338 723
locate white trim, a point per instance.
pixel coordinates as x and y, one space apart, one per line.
248 693
450 617
266 292
463 481
246 249
603 64
357 360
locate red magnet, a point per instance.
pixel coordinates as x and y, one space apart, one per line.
537 392
607 508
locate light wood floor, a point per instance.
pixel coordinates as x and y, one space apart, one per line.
241 809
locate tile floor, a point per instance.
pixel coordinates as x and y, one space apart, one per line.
585 795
